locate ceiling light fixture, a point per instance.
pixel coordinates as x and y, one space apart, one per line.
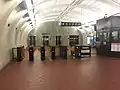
30 11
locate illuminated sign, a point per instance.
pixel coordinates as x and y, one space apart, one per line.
70 24
115 47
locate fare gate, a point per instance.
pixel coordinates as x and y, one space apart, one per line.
42 50
53 52
31 53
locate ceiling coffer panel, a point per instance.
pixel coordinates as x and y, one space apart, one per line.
23 5
26 15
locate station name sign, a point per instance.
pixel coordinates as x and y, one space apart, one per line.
70 24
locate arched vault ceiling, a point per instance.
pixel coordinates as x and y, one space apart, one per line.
62 6
42 20
79 10
55 15
58 12
72 13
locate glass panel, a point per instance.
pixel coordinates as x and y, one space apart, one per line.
115 35
46 40
88 40
108 35
119 35
100 36
104 36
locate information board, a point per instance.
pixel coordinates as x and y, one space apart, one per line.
115 47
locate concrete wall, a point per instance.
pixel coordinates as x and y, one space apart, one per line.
53 29
84 37
8 15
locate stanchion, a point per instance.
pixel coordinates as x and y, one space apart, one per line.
42 53
31 53
53 52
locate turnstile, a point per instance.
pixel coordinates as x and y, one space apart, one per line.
42 50
31 53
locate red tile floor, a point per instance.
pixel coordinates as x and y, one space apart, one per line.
95 73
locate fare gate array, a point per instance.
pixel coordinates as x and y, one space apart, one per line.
77 52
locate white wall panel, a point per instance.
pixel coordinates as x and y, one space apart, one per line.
54 29
7 34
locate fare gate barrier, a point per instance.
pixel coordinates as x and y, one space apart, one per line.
80 51
85 50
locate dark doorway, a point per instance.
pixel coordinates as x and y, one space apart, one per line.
58 40
32 40
46 40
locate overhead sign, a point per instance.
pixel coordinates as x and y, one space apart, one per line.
70 24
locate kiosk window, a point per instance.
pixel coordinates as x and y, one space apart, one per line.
97 37
115 35
100 36
106 36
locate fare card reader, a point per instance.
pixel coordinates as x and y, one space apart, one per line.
31 53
